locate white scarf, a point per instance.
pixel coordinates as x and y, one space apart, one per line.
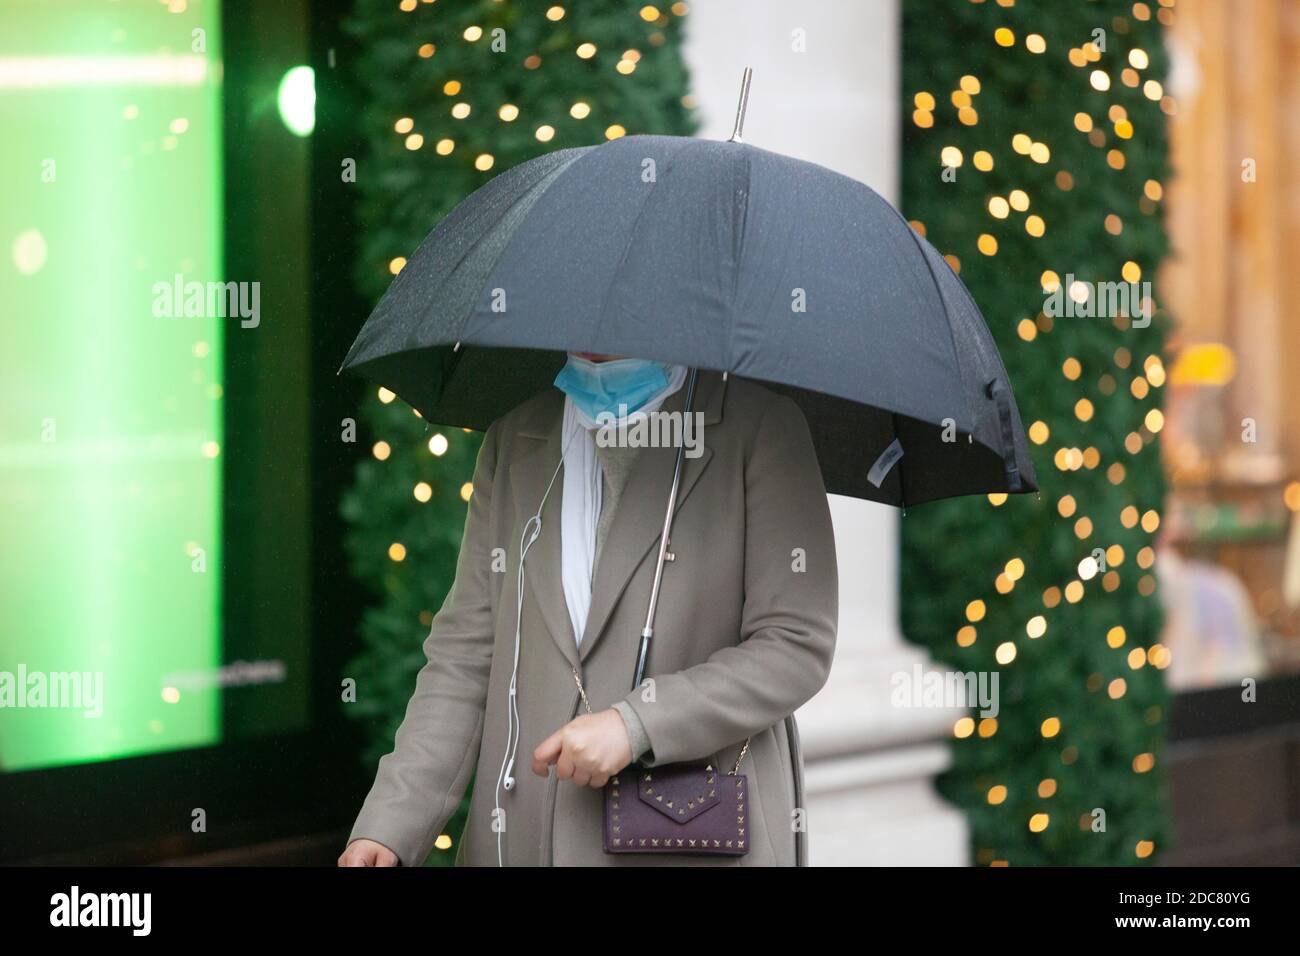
580 503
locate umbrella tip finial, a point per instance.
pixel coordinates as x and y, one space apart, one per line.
740 107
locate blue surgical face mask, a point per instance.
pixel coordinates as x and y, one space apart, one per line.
597 387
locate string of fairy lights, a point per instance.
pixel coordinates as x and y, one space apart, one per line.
1104 562
544 131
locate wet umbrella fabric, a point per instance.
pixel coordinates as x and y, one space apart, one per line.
722 256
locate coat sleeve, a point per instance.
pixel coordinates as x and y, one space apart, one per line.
420 784
789 615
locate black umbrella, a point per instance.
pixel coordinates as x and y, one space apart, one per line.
714 255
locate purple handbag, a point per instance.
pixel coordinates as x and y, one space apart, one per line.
677 809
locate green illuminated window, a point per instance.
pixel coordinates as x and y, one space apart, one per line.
110 441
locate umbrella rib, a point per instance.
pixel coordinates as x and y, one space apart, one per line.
622 257
943 302
533 195
737 254
902 490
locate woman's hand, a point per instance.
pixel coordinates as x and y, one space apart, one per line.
367 853
587 750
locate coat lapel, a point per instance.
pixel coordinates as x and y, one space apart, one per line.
529 475
639 520
636 525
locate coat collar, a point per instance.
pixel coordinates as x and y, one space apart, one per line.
634 529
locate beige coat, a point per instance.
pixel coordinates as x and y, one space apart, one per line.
744 635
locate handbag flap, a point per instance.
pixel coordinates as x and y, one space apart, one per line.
680 794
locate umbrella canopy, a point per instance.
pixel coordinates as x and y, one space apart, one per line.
716 255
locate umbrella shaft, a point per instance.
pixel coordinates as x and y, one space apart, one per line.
648 631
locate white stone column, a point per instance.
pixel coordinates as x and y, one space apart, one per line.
825 89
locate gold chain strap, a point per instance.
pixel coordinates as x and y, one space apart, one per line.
740 756
582 692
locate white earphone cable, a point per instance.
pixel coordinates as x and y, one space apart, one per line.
505 779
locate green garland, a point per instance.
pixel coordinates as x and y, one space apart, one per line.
417 65
1083 704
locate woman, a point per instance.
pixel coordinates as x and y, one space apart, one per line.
744 633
